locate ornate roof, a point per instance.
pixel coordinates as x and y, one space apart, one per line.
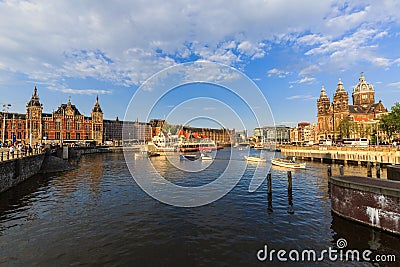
96 107
362 85
323 95
34 102
67 109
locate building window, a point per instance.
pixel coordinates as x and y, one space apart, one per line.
46 125
68 125
78 136
58 125
58 136
19 125
19 135
88 128
68 136
87 136
78 125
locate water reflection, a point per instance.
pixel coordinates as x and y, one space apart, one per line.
97 214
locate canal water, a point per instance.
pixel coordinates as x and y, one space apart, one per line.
98 215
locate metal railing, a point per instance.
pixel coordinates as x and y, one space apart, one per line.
7 155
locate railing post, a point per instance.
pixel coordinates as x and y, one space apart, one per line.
378 170
369 169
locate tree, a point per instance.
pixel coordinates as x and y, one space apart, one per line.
344 128
390 123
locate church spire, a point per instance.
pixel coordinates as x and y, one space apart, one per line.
96 107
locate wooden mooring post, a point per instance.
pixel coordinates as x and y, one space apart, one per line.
290 195
269 184
369 169
341 170
329 171
378 170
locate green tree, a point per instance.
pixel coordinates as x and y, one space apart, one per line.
390 123
345 127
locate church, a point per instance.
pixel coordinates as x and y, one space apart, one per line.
363 114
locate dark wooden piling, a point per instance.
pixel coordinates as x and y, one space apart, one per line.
329 171
290 195
341 170
269 184
369 169
378 170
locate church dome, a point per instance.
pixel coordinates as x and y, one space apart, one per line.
363 86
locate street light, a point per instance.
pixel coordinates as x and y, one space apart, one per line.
5 107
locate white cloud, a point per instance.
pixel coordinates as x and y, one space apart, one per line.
312 69
305 80
277 72
80 91
395 84
127 41
301 97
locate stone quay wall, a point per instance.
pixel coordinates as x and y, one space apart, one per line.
344 154
374 202
14 171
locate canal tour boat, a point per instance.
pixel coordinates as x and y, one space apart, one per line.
205 156
288 163
191 157
254 159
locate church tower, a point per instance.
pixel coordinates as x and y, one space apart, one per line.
340 107
34 119
324 115
363 93
97 122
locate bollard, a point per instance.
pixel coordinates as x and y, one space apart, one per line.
378 170
269 182
369 169
329 171
341 170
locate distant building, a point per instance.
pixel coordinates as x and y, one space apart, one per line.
305 132
65 125
221 136
135 132
364 113
279 133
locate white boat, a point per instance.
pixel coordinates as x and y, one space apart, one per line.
191 157
205 157
254 159
288 163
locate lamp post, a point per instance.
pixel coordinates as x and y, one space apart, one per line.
5 107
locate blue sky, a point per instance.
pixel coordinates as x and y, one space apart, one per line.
289 49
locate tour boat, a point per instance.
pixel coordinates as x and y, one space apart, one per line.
189 156
254 159
288 163
195 145
206 157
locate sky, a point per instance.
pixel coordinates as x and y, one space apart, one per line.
287 49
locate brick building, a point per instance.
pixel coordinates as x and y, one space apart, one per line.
65 125
363 113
